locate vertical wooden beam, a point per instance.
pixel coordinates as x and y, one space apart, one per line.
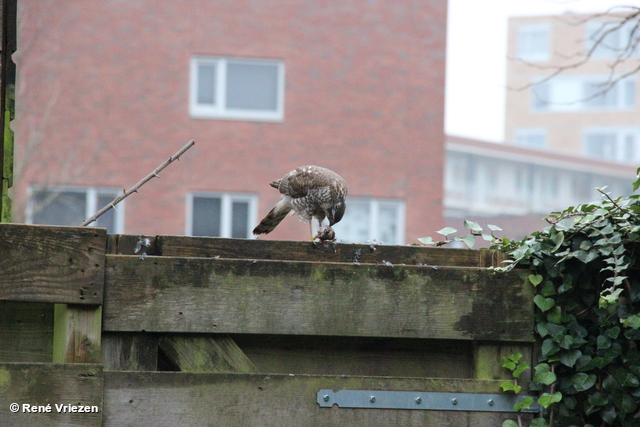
487 356
77 333
7 104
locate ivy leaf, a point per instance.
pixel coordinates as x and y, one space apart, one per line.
510 386
543 303
596 362
544 375
565 224
555 329
596 399
514 357
539 422
559 241
473 226
524 404
603 342
523 366
446 231
509 423
469 240
548 289
535 279
627 379
610 384
508 363
494 227
566 342
569 358
547 399
631 322
609 415
582 381
613 332
555 315
549 347
624 403
426 240
542 329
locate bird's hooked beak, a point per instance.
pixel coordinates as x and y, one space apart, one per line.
336 213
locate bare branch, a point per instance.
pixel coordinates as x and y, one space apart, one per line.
143 181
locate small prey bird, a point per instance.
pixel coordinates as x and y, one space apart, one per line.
312 192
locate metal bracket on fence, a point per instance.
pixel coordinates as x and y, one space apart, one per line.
375 399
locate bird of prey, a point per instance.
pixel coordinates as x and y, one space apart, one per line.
312 192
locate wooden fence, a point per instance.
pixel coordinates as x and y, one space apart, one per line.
225 332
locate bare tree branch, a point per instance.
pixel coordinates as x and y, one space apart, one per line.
143 181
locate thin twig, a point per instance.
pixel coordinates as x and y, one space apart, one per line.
143 181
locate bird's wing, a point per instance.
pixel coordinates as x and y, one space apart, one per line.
300 181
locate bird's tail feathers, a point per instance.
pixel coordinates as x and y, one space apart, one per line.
273 218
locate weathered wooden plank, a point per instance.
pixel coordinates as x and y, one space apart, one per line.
77 333
52 264
361 356
26 331
129 352
207 247
165 294
42 384
152 399
214 353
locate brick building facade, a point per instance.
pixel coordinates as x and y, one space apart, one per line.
108 90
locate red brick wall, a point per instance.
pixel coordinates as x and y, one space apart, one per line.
103 99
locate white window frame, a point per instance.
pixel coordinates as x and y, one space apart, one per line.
219 110
226 204
91 202
528 30
374 206
568 94
620 134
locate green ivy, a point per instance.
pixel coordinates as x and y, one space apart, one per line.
585 267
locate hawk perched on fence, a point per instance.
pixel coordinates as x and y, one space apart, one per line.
312 192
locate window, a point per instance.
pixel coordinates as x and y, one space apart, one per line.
549 186
221 215
233 88
583 93
372 219
71 206
532 138
534 42
613 42
523 182
613 144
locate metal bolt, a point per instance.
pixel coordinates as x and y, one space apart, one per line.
373 399
454 401
490 402
326 397
418 400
